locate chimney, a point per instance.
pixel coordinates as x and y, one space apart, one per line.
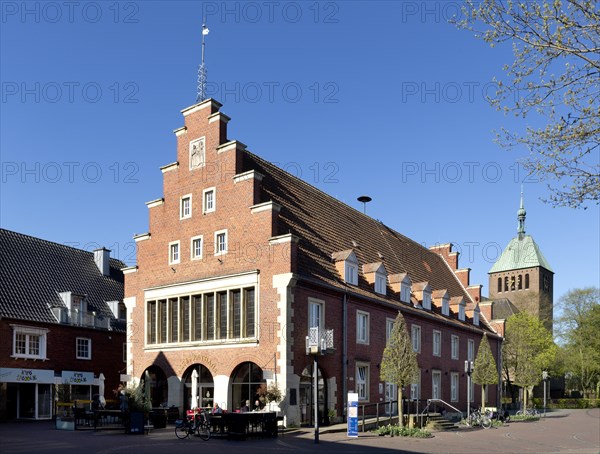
102 260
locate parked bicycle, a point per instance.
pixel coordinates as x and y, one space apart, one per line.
528 412
196 424
478 418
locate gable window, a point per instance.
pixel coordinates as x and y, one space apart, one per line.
416 338
197 153
29 342
362 327
196 247
454 347
221 242
174 252
437 343
185 207
208 200
362 381
454 386
470 350
83 347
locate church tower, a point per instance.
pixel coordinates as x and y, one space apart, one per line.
523 276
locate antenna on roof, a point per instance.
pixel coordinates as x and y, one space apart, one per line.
201 92
364 199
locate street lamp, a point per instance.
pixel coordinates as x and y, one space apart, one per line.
469 366
318 342
545 378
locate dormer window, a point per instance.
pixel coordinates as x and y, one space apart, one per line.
376 275
380 283
461 312
197 153
476 316
441 300
445 307
351 272
346 265
400 283
422 292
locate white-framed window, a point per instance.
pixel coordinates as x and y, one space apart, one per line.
362 327
437 343
351 272
380 283
415 388
362 381
391 394
174 252
316 314
209 202
405 290
415 336
445 307
196 247
454 386
471 350
436 384
221 242
29 342
454 347
389 326
83 348
185 207
197 153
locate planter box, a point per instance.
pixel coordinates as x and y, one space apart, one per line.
135 425
65 423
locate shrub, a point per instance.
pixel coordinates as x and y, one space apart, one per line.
567 403
398 431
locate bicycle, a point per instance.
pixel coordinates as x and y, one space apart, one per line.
528 412
477 418
197 424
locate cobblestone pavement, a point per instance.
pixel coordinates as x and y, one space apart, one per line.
567 431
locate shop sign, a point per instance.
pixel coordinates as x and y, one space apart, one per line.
18 375
77 378
353 414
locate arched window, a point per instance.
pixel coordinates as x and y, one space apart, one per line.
520 282
246 380
527 280
198 392
155 378
499 284
506 284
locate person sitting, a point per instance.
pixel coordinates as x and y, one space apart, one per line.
216 409
245 406
257 406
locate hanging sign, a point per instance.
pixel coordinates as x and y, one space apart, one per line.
353 414
77 378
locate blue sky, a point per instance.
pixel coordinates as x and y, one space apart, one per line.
377 98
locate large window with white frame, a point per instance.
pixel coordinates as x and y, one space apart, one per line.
29 342
437 343
83 348
223 316
185 207
471 350
415 336
221 242
454 386
209 202
174 252
415 387
362 380
362 327
389 326
316 313
436 384
196 244
454 347
197 153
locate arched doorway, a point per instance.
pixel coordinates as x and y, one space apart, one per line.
245 382
205 387
157 380
307 399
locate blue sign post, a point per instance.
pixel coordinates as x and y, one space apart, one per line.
353 414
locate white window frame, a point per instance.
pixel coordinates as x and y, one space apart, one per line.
314 306
471 350
205 193
436 387
89 348
389 326
29 332
437 342
219 251
182 200
445 307
454 386
172 259
202 162
380 283
351 272
405 292
415 337
454 346
415 388
362 327
362 383
193 254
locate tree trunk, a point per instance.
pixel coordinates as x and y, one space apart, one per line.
400 408
483 396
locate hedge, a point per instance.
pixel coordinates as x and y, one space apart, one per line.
567 403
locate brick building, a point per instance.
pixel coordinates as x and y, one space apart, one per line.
62 320
242 258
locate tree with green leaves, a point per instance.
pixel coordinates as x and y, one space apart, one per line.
552 85
399 363
577 329
485 371
528 349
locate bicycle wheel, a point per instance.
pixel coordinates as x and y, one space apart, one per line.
181 430
519 413
204 431
486 423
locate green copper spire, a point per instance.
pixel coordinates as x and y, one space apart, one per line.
521 217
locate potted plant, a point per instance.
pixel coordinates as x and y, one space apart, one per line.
137 407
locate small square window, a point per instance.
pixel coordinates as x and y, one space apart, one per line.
185 207
221 242
174 252
196 247
209 202
83 348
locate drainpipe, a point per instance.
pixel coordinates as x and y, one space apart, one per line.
500 366
345 354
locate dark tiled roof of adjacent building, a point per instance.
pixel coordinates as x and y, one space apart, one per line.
326 226
34 271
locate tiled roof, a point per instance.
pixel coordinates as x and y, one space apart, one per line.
502 309
521 252
326 226
34 271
